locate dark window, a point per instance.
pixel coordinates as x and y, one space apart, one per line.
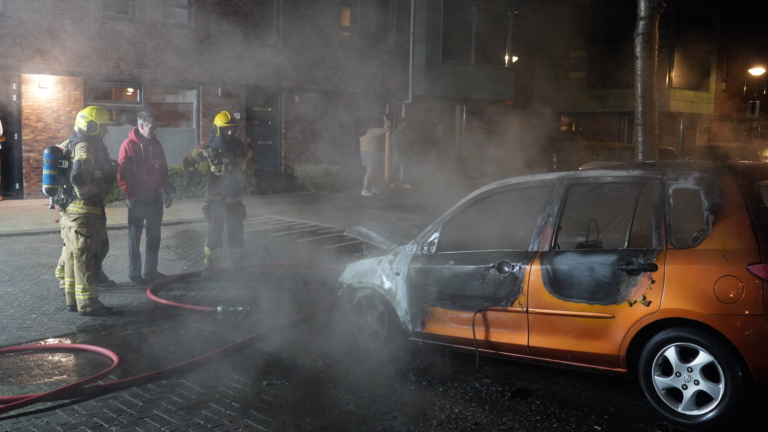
476 32
117 94
502 221
686 45
120 9
178 11
346 22
607 216
611 50
689 226
267 21
692 70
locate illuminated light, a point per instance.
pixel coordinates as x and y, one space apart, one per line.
506 60
129 90
756 71
515 59
43 83
345 17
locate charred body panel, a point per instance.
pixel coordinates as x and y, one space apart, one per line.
593 277
387 275
466 281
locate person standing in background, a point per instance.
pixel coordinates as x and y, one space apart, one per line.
370 148
143 177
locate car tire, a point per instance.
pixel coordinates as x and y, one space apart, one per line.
374 322
691 377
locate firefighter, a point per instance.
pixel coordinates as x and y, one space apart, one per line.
763 155
228 163
83 220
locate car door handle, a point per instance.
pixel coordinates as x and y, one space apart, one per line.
637 267
504 267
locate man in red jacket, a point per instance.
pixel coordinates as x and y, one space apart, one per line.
143 176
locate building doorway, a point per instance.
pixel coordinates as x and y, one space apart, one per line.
11 183
263 130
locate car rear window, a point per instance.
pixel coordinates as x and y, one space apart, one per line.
689 225
606 216
753 181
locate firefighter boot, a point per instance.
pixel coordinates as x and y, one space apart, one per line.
104 281
211 263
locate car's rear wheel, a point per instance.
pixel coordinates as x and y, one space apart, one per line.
374 321
691 377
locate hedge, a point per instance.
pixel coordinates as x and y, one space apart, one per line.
320 178
181 189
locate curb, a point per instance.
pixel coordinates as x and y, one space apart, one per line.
109 227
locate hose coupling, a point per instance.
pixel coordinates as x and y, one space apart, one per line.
232 309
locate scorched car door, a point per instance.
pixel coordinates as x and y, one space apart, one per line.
599 276
478 258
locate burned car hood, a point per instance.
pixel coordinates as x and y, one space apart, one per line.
369 236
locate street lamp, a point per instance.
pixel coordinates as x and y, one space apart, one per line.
753 106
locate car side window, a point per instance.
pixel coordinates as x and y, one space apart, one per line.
501 221
606 216
689 225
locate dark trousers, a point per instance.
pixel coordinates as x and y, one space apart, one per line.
149 210
219 214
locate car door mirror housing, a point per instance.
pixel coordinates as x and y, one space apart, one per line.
430 245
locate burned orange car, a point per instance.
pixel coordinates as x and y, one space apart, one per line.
655 270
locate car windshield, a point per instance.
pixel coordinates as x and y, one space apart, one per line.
626 154
723 153
619 154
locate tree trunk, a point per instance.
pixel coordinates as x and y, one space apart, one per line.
646 61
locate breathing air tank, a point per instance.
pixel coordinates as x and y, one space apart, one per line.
53 172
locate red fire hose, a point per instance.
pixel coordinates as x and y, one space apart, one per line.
79 389
15 402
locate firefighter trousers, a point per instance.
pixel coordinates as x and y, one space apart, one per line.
84 236
221 214
102 255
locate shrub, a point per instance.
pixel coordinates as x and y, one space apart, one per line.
320 178
181 189
116 195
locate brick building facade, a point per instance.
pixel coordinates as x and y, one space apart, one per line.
208 54
47 117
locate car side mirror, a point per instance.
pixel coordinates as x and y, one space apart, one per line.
430 245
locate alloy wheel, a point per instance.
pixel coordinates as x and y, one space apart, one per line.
688 378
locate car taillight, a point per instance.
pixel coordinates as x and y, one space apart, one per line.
759 269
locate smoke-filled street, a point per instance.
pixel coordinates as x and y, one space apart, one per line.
395 215
307 375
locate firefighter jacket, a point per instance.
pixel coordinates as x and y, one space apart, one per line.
92 174
228 164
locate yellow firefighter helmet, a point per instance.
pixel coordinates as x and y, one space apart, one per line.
90 119
223 119
763 155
